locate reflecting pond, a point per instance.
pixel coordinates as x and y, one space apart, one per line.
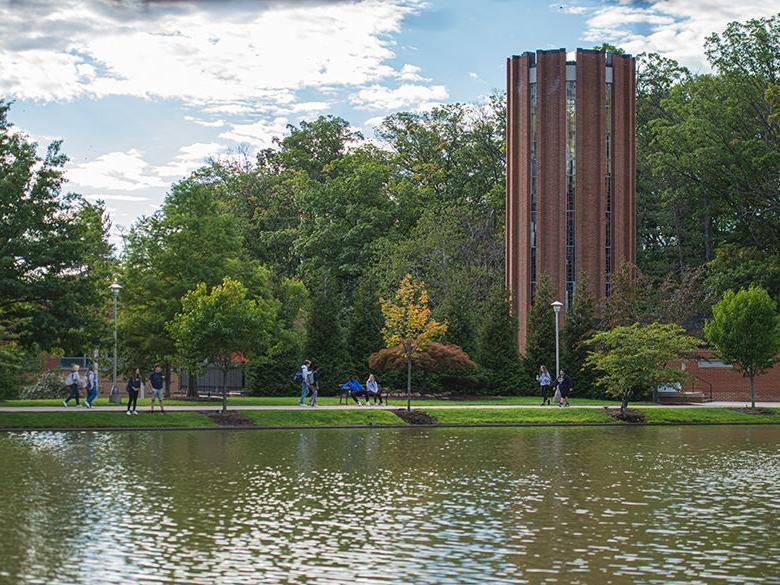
557 505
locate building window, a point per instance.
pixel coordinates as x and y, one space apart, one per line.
608 260
533 190
571 180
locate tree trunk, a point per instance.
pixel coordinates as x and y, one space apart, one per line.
752 391
167 378
624 403
192 385
225 371
408 383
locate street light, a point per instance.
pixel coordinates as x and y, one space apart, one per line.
114 396
557 308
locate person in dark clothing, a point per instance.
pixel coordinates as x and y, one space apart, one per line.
133 388
564 386
73 382
157 381
314 387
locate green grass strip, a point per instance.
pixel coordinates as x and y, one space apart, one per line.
706 415
314 417
97 420
519 416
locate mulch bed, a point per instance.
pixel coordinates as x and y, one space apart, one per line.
415 417
630 416
760 411
231 419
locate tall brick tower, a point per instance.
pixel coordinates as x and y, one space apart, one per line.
570 202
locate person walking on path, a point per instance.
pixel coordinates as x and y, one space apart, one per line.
133 387
545 380
315 384
304 371
373 390
91 384
156 381
564 387
73 382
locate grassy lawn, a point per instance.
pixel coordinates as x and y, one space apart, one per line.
722 415
63 420
322 417
519 416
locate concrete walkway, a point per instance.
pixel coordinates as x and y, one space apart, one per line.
217 406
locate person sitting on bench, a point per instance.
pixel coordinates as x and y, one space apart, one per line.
373 390
355 389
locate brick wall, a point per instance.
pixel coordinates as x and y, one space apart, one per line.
727 383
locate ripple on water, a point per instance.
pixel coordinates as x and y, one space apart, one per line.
392 506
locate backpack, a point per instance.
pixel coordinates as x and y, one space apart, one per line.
297 376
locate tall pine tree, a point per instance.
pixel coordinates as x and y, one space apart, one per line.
540 339
325 340
580 326
364 328
496 347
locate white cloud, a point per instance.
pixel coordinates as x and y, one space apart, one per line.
410 73
257 134
132 198
130 171
207 123
674 28
119 171
377 97
190 158
228 55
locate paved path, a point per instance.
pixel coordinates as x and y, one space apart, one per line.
217 406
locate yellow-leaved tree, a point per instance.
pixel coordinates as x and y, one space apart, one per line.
408 324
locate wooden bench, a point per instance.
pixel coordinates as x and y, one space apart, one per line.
681 397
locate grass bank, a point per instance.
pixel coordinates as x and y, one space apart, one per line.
98 420
83 419
313 417
482 416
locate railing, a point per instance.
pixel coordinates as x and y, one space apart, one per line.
709 385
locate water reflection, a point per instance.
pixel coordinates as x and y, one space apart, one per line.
655 505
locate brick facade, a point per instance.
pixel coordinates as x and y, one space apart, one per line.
605 87
710 376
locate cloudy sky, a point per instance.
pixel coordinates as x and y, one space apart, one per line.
143 91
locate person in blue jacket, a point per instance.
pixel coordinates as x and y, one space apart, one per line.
355 389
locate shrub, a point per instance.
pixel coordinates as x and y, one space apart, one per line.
48 385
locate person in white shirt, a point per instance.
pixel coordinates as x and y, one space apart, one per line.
373 390
73 382
545 380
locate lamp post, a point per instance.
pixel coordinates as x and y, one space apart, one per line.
557 308
114 396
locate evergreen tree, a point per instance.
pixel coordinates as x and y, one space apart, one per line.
580 326
325 339
364 328
540 339
496 348
460 326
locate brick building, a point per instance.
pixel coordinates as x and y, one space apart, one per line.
570 172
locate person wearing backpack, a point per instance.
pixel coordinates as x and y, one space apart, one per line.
304 372
73 382
133 388
314 385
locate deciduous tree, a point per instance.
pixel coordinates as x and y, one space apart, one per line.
745 330
409 325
